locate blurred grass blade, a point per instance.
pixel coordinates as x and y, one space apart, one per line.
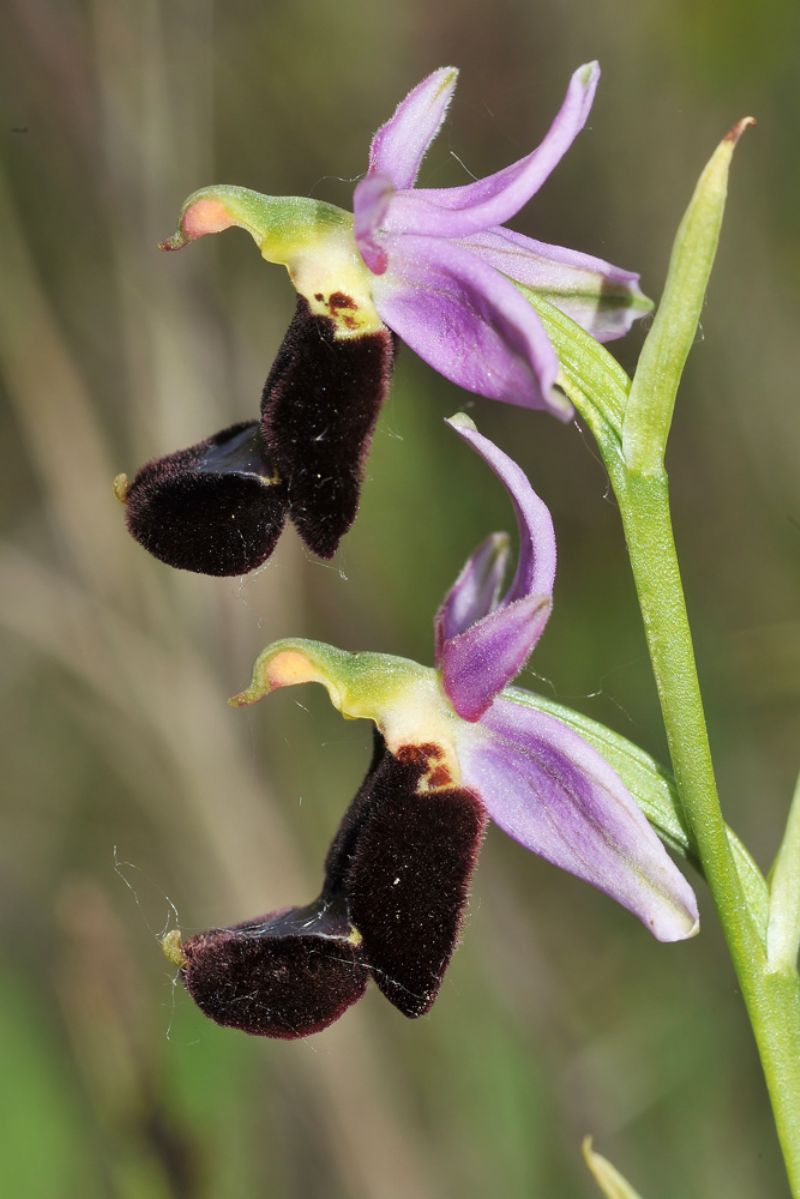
648 415
783 931
610 1181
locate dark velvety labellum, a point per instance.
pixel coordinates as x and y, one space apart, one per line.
408 858
287 974
396 884
319 408
369 793
210 508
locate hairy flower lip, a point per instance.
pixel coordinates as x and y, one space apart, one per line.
288 974
218 507
450 754
391 907
535 775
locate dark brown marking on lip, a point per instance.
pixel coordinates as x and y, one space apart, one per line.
423 758
340 300
419 755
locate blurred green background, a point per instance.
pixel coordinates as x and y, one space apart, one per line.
135 799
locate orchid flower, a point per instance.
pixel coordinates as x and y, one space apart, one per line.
435 267
455 747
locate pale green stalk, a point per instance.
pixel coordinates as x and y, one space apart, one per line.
772 998
633 450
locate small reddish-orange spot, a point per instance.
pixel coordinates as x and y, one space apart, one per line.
205 216
439 777
340 300
319 296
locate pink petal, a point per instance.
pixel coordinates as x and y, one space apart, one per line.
478 663
399 146
460 211
478 659
468 322
475 592
371 201
536 568
603 299
549 790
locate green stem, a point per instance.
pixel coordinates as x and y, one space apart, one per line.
772 996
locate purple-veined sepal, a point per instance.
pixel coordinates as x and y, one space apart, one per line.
550 790
399 146
457 212
468 322
603 299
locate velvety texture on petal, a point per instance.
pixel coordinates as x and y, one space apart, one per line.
476 591
603 299
319 408
469 323
408 876
482 658
342 848
456 212
287 974
214 508
400 144
555 795
396 884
